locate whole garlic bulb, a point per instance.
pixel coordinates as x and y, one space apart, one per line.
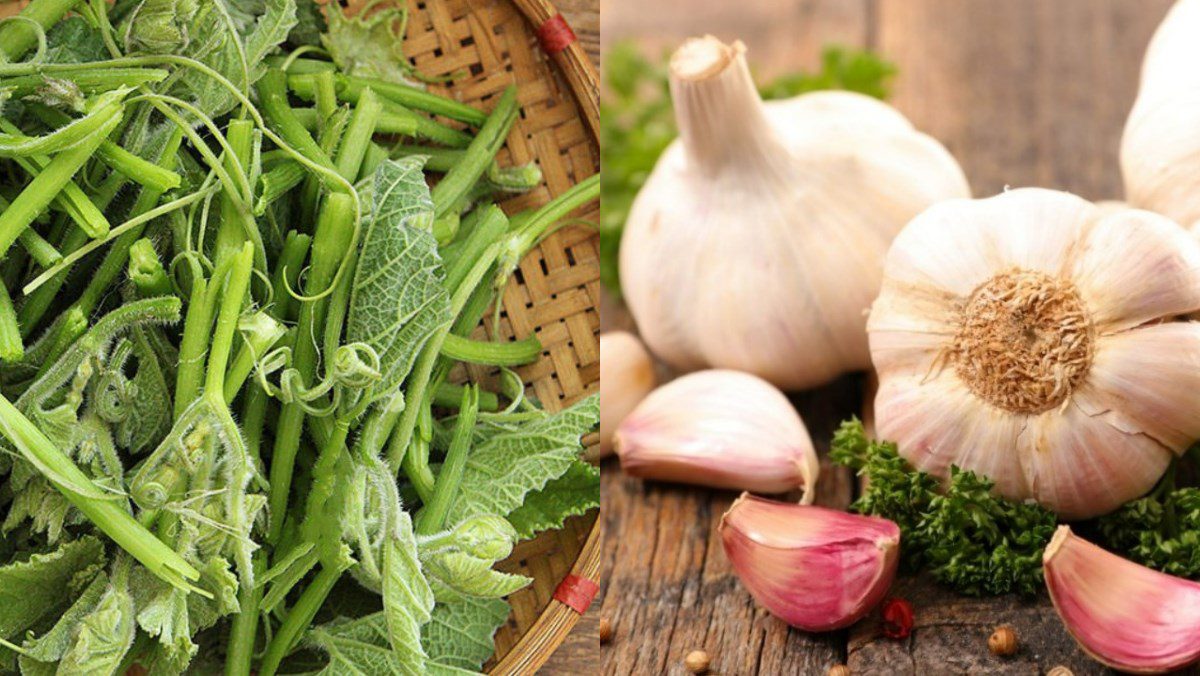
724 429
758 240
626 377
1028 337
1160 148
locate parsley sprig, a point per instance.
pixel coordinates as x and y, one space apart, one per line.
966 537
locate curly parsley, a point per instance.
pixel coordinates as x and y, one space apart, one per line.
966 537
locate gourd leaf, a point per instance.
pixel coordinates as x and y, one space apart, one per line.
359 646
45 583
455 574
51 646
104 635
370 43
571 494
508 465
460 632
407 598
398 299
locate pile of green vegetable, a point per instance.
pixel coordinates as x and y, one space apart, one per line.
229 311
980 544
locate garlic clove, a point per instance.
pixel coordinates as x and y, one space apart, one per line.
937 422
1125 615
1140 377
626 377
1136 266
1082 465
1159 158
816 569
723 429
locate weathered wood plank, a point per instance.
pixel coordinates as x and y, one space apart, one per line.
1023 92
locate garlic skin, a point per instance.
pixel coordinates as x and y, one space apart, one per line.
723 429
816 569
1160 147
757 242
1124 615
626 377
1027 337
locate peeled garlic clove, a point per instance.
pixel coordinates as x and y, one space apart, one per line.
1125 615
626 377
816 569
723 429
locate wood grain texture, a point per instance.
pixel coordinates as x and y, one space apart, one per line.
1023 92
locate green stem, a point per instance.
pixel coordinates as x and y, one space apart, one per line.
42 190
11 348
335 231
89 82
244 628
233 295
17 37
110 515
358 136
71 199
459 180
235 227
433 517
491 353
117 255
146 270
350 87
197 330
287 274
299 618
255 345
305 86
272 93
135 168
40 250
449 395
390 122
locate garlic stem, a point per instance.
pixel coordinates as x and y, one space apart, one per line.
717 108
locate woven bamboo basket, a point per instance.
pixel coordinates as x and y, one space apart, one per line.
556 292
483 46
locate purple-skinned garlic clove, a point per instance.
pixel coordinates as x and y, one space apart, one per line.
817 569
723 429
1123 614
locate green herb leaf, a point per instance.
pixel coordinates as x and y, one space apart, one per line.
399 297
407 598
370 43
460 632
514 462
571 494
975 542
45 583
358 646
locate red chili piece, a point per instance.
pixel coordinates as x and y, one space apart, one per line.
897 618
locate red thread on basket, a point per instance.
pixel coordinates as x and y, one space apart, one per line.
555 35
576 592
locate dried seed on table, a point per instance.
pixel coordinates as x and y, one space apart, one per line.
606 631
697 662
1003 641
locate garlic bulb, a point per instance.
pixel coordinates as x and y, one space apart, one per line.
1125 615
758 240
816 569
1026 337
723 429
626 377
1160 149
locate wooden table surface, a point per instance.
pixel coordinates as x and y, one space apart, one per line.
1023 93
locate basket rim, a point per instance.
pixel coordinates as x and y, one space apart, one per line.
557 620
